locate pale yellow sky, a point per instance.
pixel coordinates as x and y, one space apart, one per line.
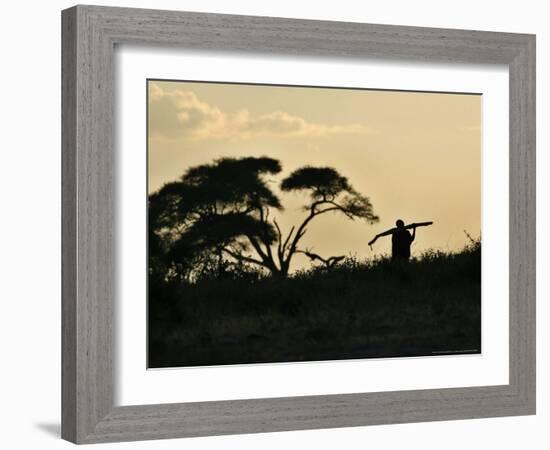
417 156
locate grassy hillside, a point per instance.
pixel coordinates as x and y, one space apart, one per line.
358 309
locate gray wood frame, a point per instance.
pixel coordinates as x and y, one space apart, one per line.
89 36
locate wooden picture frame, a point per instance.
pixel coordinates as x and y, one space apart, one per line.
90 34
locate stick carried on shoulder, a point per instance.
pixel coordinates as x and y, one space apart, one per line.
393 230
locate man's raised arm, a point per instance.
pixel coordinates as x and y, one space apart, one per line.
385 233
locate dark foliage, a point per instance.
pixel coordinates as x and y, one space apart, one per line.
321 182
355 309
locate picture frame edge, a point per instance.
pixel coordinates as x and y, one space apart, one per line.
89 34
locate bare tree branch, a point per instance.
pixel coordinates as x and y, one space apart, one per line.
279 240
257 247
287 239
329 262
244 258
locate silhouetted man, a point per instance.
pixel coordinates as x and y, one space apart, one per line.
401 239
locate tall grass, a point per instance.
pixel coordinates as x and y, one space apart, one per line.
358 309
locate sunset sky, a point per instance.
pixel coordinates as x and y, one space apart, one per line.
417 156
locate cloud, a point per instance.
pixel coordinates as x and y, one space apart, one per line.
175 114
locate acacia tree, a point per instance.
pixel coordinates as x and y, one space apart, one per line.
223 212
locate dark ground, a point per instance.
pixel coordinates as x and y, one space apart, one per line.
431 305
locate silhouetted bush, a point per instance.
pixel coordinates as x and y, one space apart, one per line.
357 309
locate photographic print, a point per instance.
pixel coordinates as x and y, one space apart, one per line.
303 223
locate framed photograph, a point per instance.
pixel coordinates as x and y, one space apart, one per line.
278 224
262 256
